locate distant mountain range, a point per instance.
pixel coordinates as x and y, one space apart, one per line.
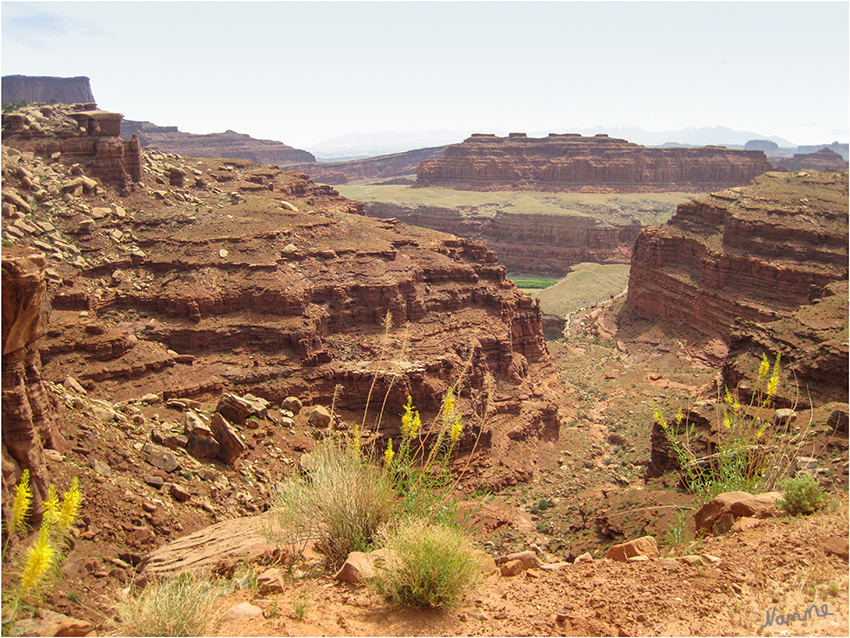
359 145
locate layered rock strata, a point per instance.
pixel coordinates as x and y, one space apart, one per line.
28 425
224 275
525 243
821 160
753 253
591 164
229 144
76 134
46 89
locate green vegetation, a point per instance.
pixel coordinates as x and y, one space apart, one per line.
534 283
587 284
647 208
751 455
803 495
178 606
433 565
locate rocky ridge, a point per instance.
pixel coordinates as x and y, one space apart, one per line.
228 144
587 164
372 169
756 252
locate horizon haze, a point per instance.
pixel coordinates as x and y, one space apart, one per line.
304 73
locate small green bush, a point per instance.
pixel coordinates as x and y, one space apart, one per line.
802 495
433 566
178 606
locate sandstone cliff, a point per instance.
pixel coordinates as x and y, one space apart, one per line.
45 90
599 163
214 275
372 169
525 243
756 252
230 144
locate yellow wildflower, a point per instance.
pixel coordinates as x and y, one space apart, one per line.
773 382
761 429
39 558
70 506
457 428
732 400
410 420
659 418
448 405
764 367
727 422
389 454
23 501
679 417
51 505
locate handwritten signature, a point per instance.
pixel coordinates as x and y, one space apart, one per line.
787 619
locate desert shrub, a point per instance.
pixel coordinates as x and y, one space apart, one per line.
341 504
803 495
431 565
751 454
178 606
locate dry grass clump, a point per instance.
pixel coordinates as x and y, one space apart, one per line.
178 606
432 565
341 505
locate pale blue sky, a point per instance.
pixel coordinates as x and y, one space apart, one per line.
303 72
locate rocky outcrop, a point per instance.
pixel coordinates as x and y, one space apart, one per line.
813 347
229 144
753 253
821 160
46 89
525 243
372 169
78 135
28 425
249 279
591 164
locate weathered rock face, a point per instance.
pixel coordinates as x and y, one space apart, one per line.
752 253
229 144
599 163
525 243
27 423
249 279
77 134
371 169
46 89
812 344
821 160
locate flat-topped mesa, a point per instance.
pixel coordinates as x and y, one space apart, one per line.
77 133
757 252
573 162
46 89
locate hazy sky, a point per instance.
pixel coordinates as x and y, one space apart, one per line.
303 72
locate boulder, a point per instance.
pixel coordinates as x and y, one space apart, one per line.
511 568
528 559
159 457
360 566
718 515
230 446
319 417
643 546
292 404
270 582
242 611
236 409
202 443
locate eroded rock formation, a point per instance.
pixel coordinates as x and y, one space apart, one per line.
46 89
821 160
590 164
525 243
228 276
230 144
28 426
754 253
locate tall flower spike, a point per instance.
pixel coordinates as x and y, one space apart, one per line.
389 454
764 367
773 382
39 558
51 505
70 506
457 428
23 501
